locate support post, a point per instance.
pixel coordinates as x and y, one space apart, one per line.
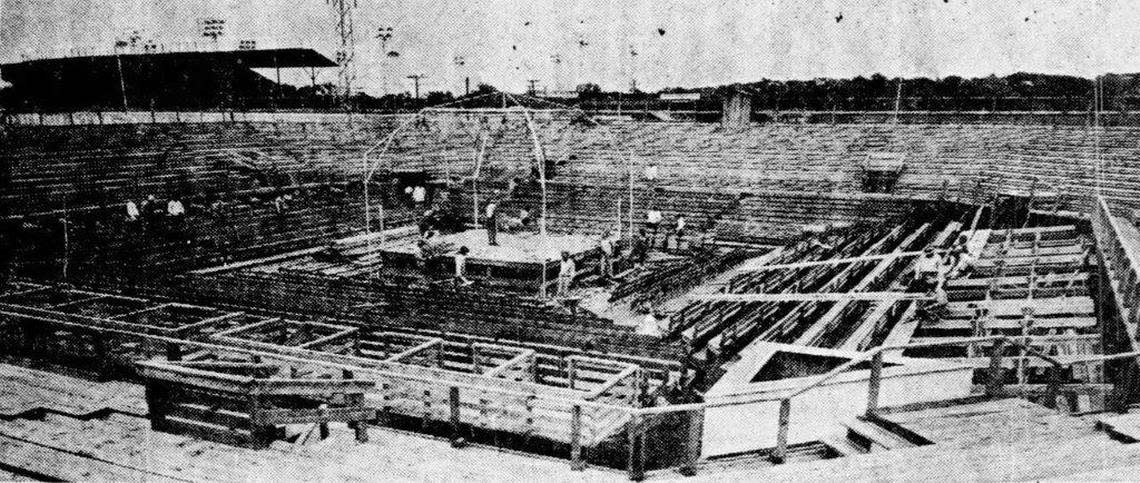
1054 387
874 383
102 358
696 422
456 429
996 379
157 396
635 466
781 452
261 434
323 426
576 461
570 370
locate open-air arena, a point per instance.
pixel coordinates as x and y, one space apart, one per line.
517 284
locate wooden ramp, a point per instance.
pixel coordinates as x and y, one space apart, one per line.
991 422
1123 427
973 440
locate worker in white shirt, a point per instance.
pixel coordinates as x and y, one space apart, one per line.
651 173
491 223
678 232
461 267
132 211
608 248
650 325
653 222
419 196
927 270
175 208
566 272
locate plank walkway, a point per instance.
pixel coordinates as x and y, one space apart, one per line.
1003 440
23 389
123 448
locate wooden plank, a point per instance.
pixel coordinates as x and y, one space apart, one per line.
820 326
513 363
413 350
830 261
299 387
339 335
982 283
181 331
614 381
197 378
1015 307
902 332
1010 324
310 416
242 328
812 297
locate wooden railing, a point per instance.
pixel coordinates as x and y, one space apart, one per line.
1121 265
586 421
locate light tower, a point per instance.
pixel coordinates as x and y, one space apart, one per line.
346 51
384 34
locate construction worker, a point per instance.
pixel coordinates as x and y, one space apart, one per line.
491 222
566 272
608 249
461 267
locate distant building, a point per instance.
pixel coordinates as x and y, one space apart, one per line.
737 109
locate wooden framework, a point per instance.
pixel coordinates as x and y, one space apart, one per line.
572 399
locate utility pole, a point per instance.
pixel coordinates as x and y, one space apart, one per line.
461 61
416 79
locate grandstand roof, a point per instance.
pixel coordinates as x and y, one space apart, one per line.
163 79
254 59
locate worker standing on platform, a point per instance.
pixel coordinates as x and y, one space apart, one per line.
566 272
608 248
132 211
653 222
678 232
461 267
491 222
927 270
639 249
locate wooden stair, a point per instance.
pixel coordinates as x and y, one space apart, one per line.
866 435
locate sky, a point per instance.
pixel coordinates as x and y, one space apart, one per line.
614 43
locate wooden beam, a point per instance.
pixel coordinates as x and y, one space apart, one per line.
512 362
298 387
339 335
242 328
812 297
183 329
310 416
605 386
424 346
830 261
1010 324
820 327
141 311
1079 305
